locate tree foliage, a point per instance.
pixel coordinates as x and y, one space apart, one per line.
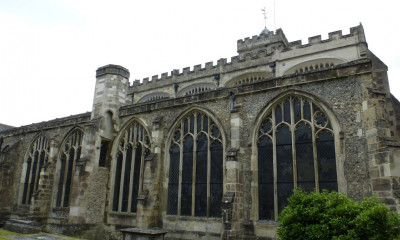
331 215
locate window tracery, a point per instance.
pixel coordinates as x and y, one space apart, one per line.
195 184
133 147
295 149
70 154
38 154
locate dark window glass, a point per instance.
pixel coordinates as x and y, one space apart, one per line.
27 176
201 176
287 111
205 123
196 189
37 155
307 111
304 157
265 179
284 165
187 165
117 181
192 124
69 177
278 115
133 147
103 153
71 154
127 179
297 110
173 182
313 146
326 161
216 179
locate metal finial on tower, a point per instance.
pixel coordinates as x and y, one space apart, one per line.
265 31
264 12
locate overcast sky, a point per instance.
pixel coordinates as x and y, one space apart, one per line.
50 49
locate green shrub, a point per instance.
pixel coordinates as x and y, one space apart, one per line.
331 215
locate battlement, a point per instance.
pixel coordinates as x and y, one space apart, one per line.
208 69
256 51
261 41
332 36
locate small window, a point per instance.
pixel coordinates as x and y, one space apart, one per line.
103 153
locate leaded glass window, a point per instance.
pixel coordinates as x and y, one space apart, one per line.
70 154
195 185
133 147
38 154
295 149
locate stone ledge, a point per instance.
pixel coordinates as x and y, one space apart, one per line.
22 226
143 233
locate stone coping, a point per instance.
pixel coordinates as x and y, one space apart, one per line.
144 231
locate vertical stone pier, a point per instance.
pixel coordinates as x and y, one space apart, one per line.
232 202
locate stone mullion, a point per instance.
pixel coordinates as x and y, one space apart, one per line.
292 130
37 174
208 170
28 186
315 152
274 163
121 184
64 180
142 168
180 169
133 159
194 164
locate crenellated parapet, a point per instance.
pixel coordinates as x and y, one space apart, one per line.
270 53
263 41
357 32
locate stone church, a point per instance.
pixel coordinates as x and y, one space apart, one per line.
212 151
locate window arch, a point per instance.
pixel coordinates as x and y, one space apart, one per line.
38 154
70 154
195 185
133 147
296 148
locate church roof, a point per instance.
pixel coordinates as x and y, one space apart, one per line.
4 127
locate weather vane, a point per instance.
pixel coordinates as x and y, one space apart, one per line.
264 12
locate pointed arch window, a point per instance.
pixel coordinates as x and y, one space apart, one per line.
295 149
38 154
195 185
133 147
70 154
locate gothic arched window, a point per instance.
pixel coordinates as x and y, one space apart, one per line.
195 185
70 153
295 149
38 154
133 147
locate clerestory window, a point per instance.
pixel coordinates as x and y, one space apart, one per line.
195 185
133 147
70 154
295 149
38 154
